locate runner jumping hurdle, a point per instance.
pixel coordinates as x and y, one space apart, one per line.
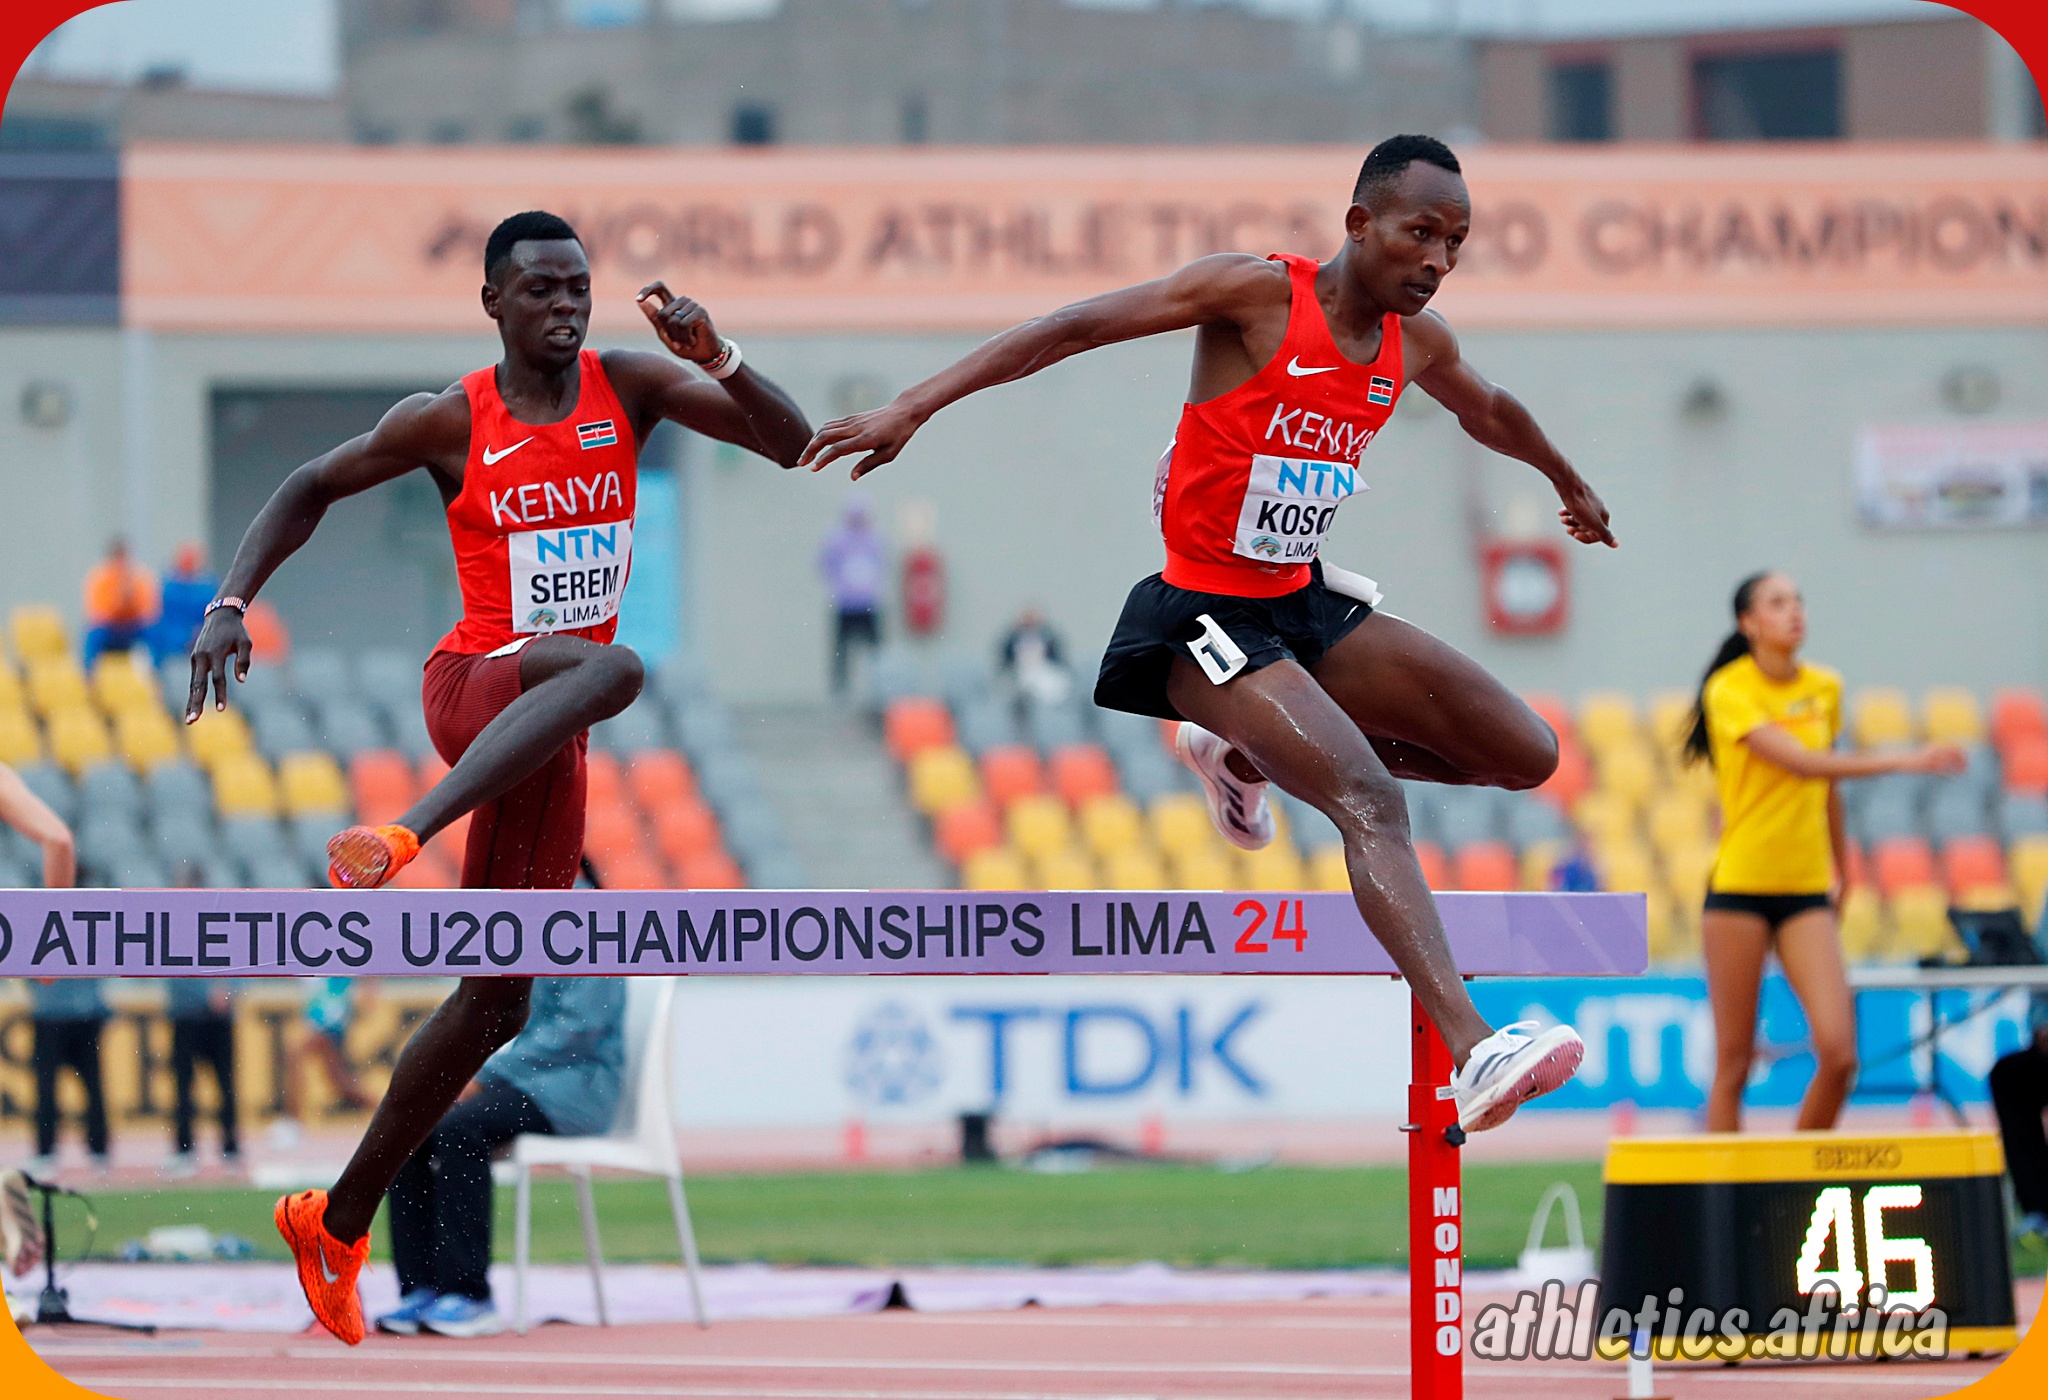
825 933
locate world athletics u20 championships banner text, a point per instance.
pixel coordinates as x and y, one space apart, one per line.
385 933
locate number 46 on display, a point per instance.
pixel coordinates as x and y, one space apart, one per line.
1834 1213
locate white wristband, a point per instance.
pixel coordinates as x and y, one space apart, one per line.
727 361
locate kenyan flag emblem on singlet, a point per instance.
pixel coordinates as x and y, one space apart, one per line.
599 434
1379 390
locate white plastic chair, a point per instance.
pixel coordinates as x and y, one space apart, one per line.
642 1139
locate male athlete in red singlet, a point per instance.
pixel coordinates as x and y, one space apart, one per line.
535 458
1277 665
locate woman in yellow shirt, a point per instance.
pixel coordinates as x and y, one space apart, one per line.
1767 721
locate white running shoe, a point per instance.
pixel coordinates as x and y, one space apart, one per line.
1239 809
1510 1067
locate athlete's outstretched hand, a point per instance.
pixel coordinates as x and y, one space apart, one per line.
682 324
222 638
1584 515
881 434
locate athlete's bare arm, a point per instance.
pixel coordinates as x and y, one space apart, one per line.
1496 419
1238 301
425 431
747 408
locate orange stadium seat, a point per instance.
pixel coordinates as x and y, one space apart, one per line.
684 829
607 779
915 723
1900 862
1011 771
1436 871
2016 713
448 845
657 777
432 869
634 871
1552 710
1858 873
380 780
1573 778
961 831
1082 771
1972 862
2026 764
1486 865
432 769
714 870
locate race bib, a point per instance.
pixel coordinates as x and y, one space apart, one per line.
1289 503
568 579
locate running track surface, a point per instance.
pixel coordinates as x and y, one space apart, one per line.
1330 1348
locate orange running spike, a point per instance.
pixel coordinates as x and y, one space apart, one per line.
327 1268
365 857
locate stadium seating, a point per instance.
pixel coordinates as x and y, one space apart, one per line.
249 795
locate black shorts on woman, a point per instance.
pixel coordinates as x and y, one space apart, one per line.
1161 622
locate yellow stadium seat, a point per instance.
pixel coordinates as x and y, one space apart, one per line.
1112 824
312 782
1539 861
37 631
55 683
1624 865
1697 780
1327 869
1920 926
145 737
1180 822
1882 716
243 787
1663 930
1039 825
1606 817
1953 716
1201 868
1276 867
1862 921
1627 769
996 868
21 741
1687 870
78 738
1670 719
2028 863
217 735
942 778
1064 868
1136 868
119 683
13 695
1607 719
1677 820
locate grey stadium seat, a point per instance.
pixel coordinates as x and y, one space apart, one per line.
109 786
48 782
321 674
2022 814
349 727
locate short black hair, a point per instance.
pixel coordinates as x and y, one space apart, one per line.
533 225
1394 155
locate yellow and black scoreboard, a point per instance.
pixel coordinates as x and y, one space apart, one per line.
1808 1244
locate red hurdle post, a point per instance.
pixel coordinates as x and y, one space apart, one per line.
1436 1295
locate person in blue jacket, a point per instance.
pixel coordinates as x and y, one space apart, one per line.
562 1074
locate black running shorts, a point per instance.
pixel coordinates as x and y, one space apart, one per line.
1773 909
1161 622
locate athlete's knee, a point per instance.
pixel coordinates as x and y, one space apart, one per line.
1372 805
619 674
1835 1058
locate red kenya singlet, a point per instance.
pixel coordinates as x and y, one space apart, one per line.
543 527
1247 490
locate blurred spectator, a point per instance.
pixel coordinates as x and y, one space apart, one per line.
68 1013
202 1016
562 1074
854 563
331 1007
1032 657
120 603
187 590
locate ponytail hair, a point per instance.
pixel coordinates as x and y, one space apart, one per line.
1734 647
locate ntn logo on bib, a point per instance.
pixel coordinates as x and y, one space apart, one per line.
1289 503
569 578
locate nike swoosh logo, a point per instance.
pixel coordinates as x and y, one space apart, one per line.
493 458
1294 367
321 1249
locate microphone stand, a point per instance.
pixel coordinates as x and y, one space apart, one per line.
54 1306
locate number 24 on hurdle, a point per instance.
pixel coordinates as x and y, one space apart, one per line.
1247 942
